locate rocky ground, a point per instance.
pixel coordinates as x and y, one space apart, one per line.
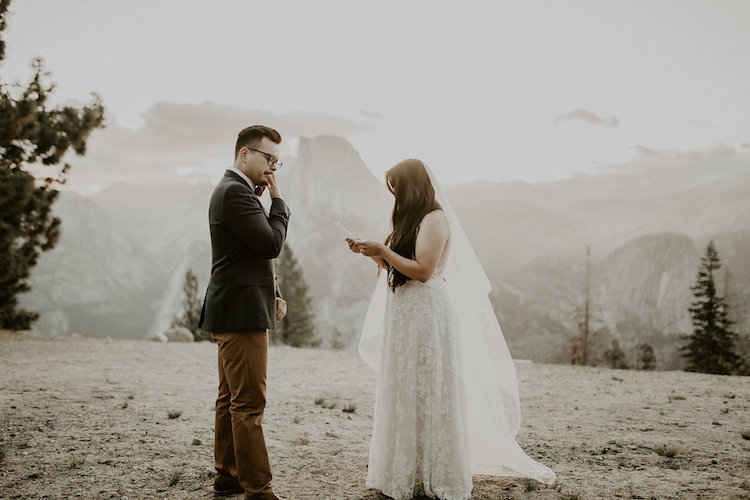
98 418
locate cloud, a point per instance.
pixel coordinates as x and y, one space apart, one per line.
371 114
170 124
719 161
589 117
190 139
717 152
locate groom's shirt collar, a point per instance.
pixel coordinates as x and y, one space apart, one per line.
243 176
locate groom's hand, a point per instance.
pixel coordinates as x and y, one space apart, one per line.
273 187
280 309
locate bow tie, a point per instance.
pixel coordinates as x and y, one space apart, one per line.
259 190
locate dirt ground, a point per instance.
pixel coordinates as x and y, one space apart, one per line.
99 418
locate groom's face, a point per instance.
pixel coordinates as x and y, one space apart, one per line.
255 165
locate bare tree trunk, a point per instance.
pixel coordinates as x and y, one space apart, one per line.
585 346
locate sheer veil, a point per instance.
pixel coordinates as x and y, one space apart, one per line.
488 381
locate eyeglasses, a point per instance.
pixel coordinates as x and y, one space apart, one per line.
272 160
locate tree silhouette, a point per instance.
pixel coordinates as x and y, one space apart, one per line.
579 343
32 135
711 346
298 327
192 303
615 357
646 357
582 347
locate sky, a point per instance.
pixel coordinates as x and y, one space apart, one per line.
497 90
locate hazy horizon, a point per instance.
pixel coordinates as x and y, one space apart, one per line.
494 90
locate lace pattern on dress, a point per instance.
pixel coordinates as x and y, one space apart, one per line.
419 444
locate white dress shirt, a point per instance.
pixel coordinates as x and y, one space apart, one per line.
247 179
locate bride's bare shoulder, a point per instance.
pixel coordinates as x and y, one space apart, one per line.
435 219
436 216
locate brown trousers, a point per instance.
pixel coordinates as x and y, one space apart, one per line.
239 446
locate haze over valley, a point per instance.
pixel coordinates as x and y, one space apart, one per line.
119 267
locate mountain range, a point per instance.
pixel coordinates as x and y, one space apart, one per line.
119 266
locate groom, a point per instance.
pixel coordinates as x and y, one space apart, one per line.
242 302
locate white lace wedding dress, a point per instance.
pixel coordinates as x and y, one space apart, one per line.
419 443
447 403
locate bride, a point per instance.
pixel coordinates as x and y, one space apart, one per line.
446 403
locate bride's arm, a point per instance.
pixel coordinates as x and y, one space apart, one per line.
380 262
433 234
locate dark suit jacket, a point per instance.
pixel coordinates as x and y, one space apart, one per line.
242 291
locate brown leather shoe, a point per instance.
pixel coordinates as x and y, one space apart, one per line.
224 485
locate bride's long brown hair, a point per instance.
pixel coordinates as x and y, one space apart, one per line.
414 195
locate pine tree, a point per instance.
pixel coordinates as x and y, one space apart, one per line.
298 327
582 349
32 134
615 357
646 357
711 346
338 340
192 304
584 326
585 342
739 309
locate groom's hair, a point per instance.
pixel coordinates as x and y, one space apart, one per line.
249 137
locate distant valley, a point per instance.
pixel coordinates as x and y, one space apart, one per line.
119 266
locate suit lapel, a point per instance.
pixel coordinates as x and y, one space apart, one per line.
234 176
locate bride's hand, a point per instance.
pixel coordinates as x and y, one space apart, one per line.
371 248
353 245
